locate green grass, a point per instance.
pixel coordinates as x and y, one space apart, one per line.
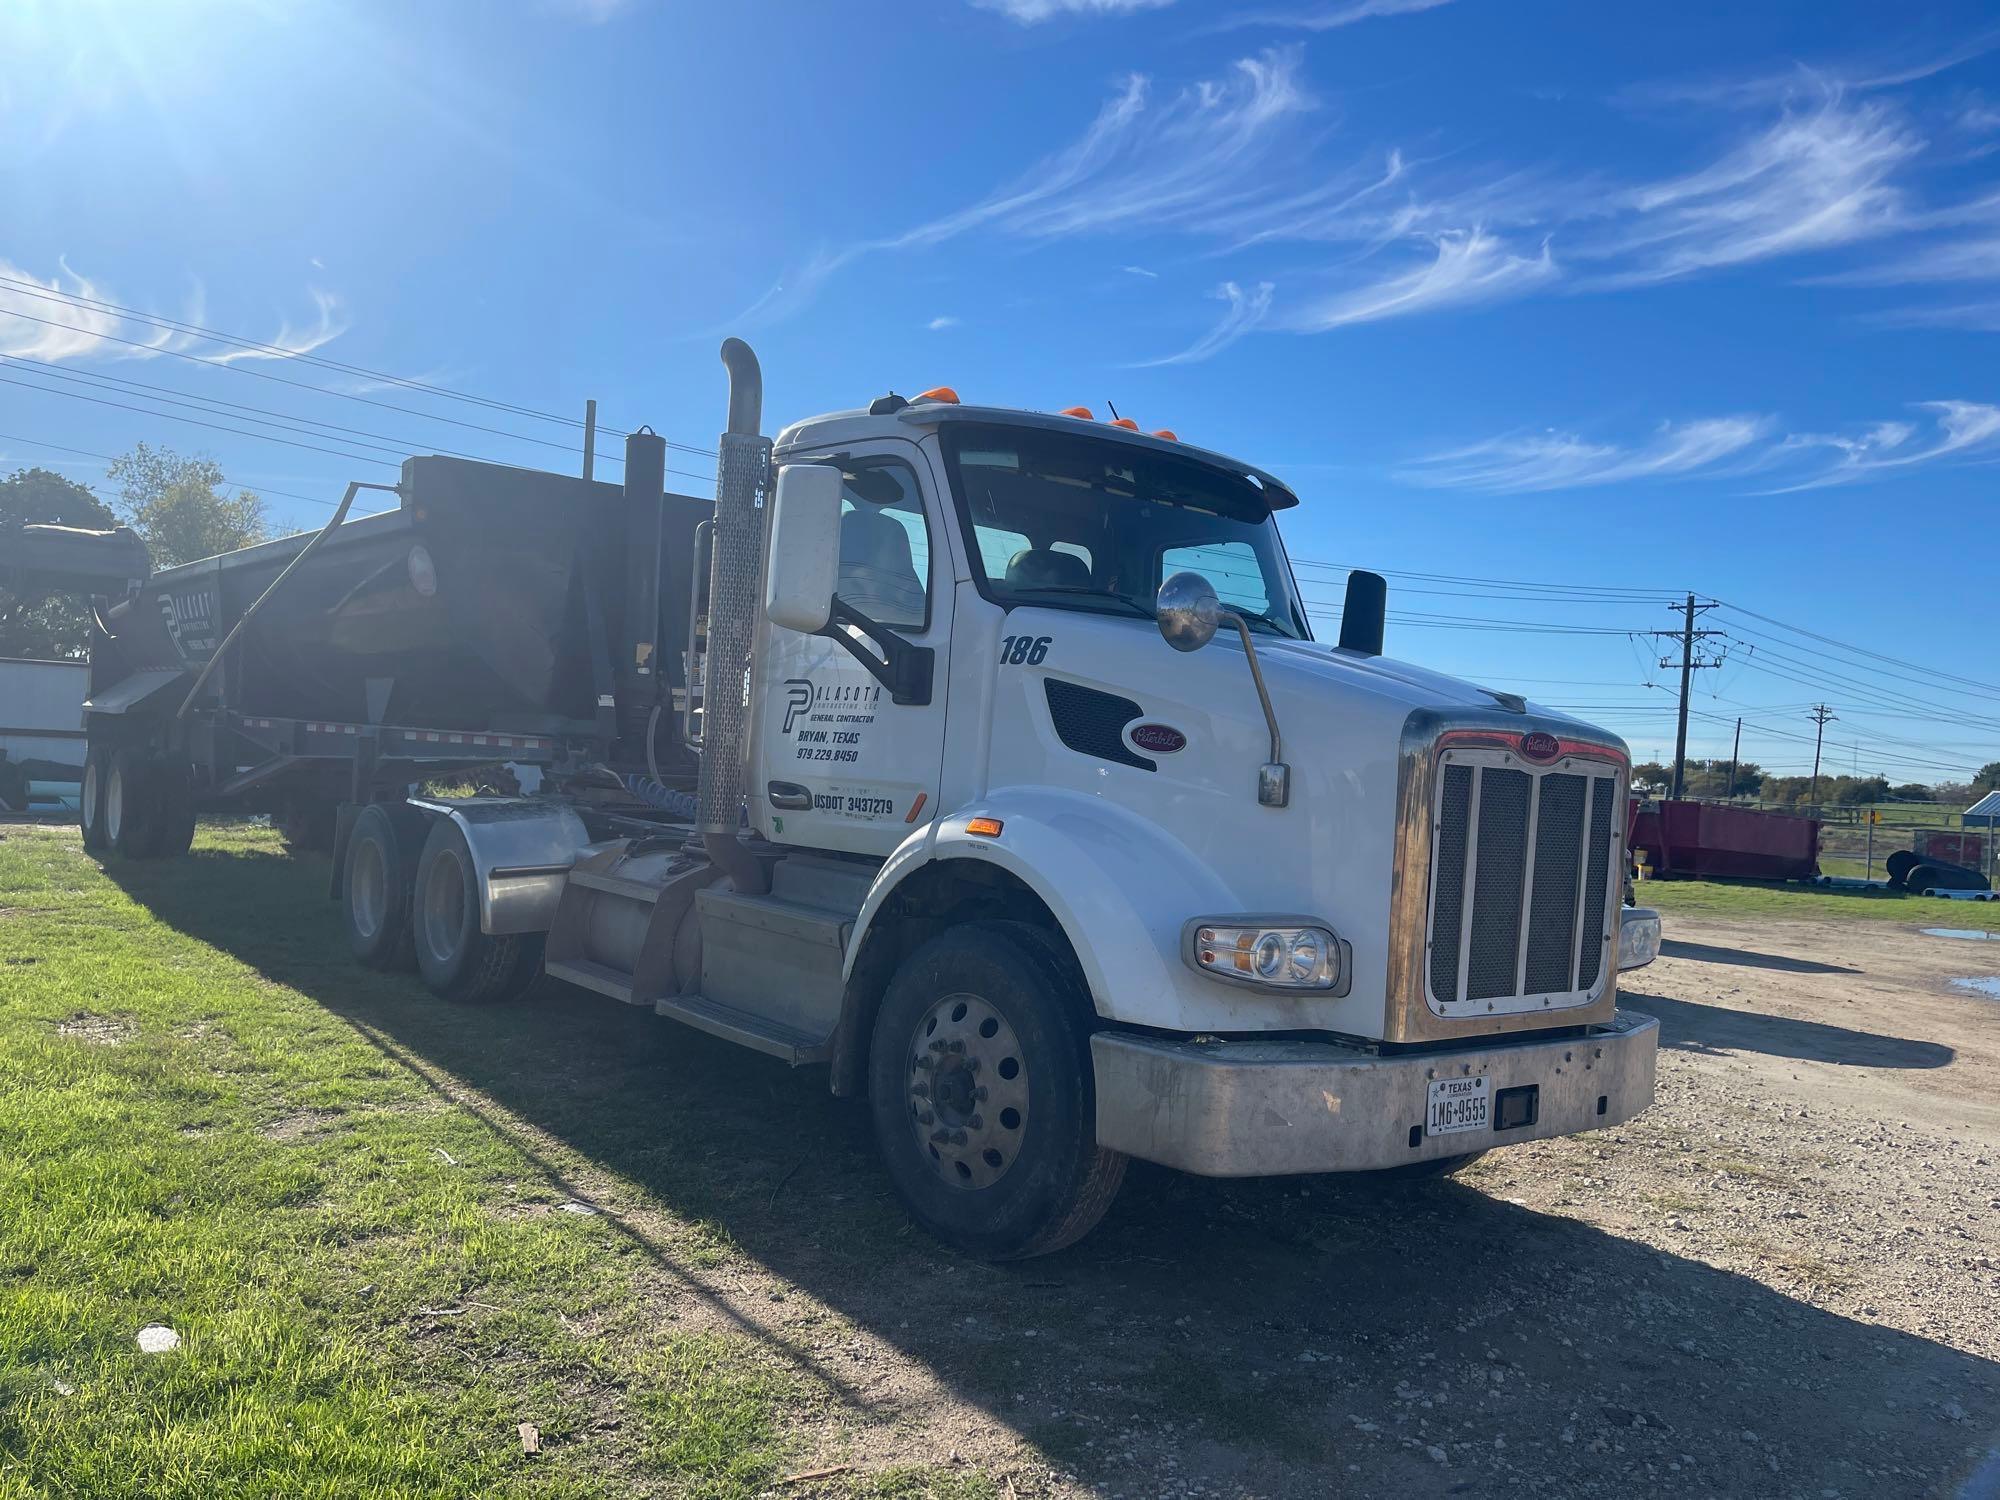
210 1119
1728 898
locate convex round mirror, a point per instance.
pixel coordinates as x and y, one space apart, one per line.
1187 611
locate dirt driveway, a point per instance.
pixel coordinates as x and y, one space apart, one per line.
1784 1280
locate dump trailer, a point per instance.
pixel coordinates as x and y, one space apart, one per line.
982 757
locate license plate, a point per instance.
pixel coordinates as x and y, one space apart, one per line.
1458 1104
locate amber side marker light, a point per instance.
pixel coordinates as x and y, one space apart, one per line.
1081 413
942 393
1168 433
988 828
1125 422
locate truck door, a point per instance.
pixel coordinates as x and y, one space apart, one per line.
839 764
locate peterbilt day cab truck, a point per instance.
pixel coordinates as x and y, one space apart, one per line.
1025 802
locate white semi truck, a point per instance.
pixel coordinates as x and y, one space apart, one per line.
1029 805
1024 800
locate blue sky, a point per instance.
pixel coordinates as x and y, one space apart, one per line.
1702 297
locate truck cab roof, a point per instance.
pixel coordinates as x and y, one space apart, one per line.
839 427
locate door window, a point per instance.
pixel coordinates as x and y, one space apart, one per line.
885 545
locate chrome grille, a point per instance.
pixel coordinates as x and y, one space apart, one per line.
1520 882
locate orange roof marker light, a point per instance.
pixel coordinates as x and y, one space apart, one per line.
1125 422
1081 413
940 393
1168 433
988 828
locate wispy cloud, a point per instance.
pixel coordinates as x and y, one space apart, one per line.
1466 266
1034 12
1247 310
940 323
1332 17
1246 165
1714 448
70 317
1816 178
1966 317
1564 460
1963 429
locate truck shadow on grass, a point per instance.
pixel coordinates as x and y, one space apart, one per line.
1292 1337
1690 1026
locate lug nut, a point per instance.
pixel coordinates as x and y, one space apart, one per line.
980 1093
955 1046
920 1091
976 1123
958 1137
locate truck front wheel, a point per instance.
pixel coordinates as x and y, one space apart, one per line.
980 1087
457 960
90 798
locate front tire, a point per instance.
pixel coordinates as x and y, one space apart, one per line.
981 1091
457 960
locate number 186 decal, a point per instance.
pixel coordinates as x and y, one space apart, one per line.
1023 650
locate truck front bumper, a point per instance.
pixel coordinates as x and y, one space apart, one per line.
1255 1109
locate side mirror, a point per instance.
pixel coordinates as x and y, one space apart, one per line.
1187 611
804 566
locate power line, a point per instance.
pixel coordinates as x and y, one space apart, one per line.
108 459
194 422
1893 661
20 288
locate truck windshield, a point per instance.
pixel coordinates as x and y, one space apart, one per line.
1082 522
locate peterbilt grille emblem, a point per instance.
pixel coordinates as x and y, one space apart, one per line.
1161 739
1540 746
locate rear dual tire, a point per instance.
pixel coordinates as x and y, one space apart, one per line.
379 881
457 960
135 806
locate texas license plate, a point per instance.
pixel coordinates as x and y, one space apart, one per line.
1458 1104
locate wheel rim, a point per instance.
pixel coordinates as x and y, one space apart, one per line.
90 774
368 888
114 806
444 909
968 1089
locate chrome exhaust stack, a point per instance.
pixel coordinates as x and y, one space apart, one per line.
742 469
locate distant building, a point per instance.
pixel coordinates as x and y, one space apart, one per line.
1984 813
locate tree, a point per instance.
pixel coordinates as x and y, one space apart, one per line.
1911 791
176 504
1988 779
46 625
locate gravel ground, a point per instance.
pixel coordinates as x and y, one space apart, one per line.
1783 1280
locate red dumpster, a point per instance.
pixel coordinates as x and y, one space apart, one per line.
1708 839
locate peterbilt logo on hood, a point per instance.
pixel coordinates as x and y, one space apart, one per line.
1540 745
1161 739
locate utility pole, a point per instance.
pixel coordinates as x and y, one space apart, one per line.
590 440
1733 750
1687 636
1821 715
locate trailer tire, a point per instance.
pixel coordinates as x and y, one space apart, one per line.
90 796
173 805
994 995
458 961
131 806
379 884
1919 878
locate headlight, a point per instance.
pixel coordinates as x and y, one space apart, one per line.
1282 953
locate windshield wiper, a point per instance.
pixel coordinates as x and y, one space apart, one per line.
1137 606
